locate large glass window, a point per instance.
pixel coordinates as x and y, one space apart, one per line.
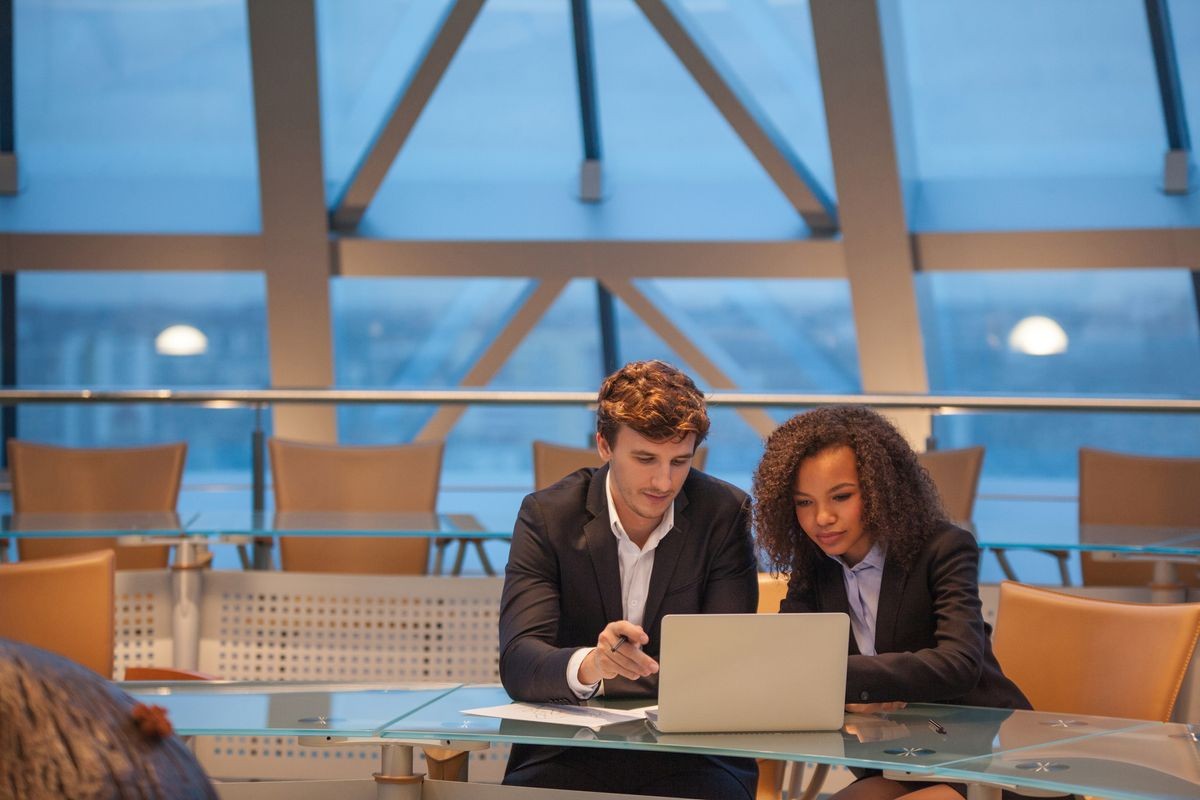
133 117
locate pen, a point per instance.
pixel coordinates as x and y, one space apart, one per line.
937 728
622 639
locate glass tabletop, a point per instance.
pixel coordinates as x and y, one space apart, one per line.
208 708
341 523
33 525
1131 539
1148 760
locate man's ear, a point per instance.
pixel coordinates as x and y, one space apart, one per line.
603 449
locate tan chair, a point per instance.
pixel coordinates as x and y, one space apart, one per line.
956 475
1078 655
771 591
552 462
317 477
64 605
49 479
1121 489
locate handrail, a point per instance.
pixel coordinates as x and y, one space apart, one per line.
949 403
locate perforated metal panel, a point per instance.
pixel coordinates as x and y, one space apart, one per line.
143 620
293 626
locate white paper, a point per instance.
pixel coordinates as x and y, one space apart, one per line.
578 716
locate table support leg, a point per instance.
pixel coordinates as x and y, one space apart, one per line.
1165 586
980 791
187 579
395 779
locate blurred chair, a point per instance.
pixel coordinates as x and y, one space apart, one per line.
166 674
319 477
1122 489
771 591
1078 655
49 479
552 462
64 605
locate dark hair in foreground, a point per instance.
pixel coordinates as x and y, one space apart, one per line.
67 732
653 398
900 503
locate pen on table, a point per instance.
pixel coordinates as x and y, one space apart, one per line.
937 728
622 639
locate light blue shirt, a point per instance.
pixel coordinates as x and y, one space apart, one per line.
863 582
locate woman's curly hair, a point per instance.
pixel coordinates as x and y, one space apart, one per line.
900 503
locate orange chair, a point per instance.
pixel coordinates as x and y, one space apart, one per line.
318 477
1078 655
64 605
1122 489
49 479
552 462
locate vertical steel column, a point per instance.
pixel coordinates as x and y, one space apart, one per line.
590 175
610 350
1177 165
8 116
8 358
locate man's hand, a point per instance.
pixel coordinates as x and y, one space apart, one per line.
618 652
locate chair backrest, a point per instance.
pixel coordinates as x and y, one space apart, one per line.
393 478
956 475
1123 489
46 478
771 591
552 462
64 605
1078 655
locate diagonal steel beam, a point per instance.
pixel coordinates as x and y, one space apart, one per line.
677 340
751 124
443 42
526 316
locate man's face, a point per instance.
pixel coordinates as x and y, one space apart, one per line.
646 476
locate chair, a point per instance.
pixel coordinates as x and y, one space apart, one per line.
64 605
1078 655
554 461
317 477
955 473
49 479
1122 489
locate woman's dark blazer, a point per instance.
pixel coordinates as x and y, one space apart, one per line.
933 644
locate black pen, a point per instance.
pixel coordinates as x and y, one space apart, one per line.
937 728
622 639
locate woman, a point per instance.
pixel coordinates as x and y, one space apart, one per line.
843 505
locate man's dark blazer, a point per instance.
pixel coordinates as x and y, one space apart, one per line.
562 585
932 642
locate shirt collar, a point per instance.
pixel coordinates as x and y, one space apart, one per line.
874 558
664 527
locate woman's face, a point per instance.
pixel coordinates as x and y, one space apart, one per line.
829 504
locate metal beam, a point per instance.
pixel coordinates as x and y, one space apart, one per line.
875 235
295 237
801 258
591 184
1177 165
443 42
9 183
525 317
758 419
735 103
115 252
1133 248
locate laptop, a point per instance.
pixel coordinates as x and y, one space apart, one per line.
742 673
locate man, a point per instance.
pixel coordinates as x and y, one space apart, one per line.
599 558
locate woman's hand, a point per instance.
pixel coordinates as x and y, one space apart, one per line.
874 708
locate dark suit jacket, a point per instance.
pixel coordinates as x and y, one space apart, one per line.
562 585
932 642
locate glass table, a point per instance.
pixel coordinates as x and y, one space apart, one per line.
990 749
1164 546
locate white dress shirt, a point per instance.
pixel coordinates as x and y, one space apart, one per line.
636 566
863 584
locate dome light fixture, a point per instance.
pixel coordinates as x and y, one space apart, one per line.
1038 336
181 340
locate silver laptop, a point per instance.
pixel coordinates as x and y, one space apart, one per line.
751 672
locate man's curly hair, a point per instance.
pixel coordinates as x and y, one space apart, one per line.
900 503
653 398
